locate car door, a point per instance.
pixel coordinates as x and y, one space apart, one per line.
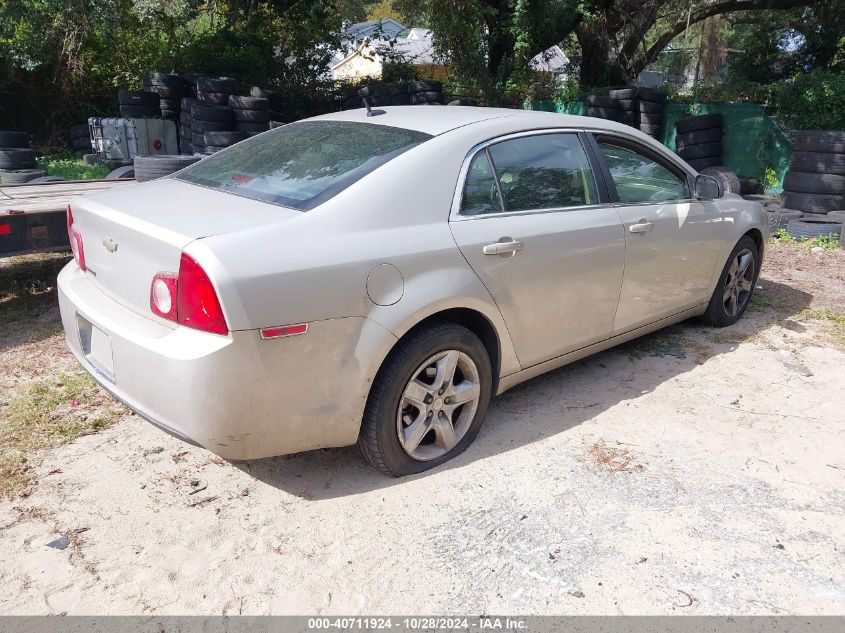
672 239
529 219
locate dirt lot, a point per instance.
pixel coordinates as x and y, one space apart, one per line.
695 471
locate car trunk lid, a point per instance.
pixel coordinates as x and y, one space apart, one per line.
133 233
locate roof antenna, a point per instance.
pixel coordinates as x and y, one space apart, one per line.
370 111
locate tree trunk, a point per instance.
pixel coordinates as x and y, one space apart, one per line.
596 68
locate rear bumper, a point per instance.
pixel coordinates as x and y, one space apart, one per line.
239 396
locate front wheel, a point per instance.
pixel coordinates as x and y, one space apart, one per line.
736 284
428 400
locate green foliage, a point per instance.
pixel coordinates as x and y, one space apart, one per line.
815 101
71 168
770 178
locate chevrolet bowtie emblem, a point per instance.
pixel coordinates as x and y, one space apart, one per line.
110 244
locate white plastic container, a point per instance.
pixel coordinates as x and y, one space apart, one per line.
123 139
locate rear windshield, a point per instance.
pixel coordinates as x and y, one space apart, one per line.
302 165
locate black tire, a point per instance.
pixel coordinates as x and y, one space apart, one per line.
127 171
250 127
820 141
248 103
275 124
818 162
463 101
652 95
41 179
18 139
223 139
170 104
704 122
20 176
728 179
700 164
702 150
137 97
170 115
166 92
603 113
629 93
426 86
627 104
208 112
629 118
198 139
808 228
378 441
601 101
140 112
263 93
186 147
649 107
400 100
713 135
749 186
254 116
806 182
779 218
214 98
717 314
813 202
426 97
17 158
152 167
651 130
651 119
186 103
228 85
166 80
213 149
373 90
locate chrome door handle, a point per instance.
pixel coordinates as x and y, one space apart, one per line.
503 248
643 226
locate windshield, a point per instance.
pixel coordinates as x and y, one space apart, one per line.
302 165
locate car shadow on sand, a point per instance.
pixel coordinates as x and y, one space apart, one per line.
552 403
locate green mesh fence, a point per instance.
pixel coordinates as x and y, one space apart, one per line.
752 142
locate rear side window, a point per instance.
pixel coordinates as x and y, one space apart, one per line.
544 171
481 195
302 165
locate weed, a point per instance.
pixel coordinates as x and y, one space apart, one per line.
71 168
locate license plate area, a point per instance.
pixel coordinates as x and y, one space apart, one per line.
96 347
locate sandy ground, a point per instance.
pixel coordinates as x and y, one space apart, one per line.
693 472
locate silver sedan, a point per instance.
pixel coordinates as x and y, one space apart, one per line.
375 280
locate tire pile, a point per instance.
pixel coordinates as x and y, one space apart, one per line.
80 138
139 104
209 117
641 108
815 182
252 115
152 167
17 160
170 90
424 92
698 141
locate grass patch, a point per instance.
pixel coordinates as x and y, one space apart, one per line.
828 242
661 343
71 168
834 322
50 412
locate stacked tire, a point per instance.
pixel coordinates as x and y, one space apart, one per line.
626 101
170 90
650 106
17 160
815 182
251 114
215 141
602 107
424 92
276 103
698 141
186 142
152 167
207 117
80 138
139 104
216 90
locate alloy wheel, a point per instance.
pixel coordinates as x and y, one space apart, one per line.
438 405
739 282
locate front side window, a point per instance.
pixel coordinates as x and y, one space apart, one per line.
639 179
302 165
545 171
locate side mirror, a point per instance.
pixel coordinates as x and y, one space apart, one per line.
707 187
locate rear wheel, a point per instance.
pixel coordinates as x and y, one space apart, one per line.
428 400
735 286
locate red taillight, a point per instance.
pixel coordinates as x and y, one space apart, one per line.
74 235
189 298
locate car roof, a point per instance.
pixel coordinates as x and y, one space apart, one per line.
437 120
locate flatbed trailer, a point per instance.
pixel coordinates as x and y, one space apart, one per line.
33 216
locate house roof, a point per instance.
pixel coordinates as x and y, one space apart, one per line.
552 60
384 28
